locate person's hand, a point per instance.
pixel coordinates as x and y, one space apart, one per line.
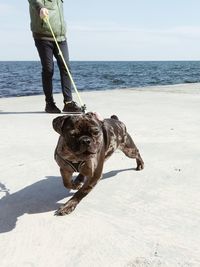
44 13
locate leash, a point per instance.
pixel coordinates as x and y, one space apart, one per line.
83 106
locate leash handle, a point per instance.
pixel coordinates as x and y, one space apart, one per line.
46 19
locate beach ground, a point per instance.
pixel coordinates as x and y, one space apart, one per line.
131 218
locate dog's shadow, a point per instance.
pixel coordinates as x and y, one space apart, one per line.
42 196
113 173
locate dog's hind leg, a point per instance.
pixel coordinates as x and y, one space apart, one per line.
130 150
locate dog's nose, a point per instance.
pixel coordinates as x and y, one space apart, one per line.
85 141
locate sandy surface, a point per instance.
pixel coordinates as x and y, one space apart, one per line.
147 218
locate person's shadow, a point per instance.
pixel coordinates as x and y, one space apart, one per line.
42 196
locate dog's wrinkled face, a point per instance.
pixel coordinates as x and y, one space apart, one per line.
82 134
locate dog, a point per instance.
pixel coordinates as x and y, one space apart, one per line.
84 144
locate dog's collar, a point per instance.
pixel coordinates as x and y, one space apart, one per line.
74 165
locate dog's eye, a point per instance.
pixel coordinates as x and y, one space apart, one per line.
95 131
72 133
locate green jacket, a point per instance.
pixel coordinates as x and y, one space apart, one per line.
56 18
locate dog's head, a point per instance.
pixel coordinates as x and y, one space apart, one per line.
82 134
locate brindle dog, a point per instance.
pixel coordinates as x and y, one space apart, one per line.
84 144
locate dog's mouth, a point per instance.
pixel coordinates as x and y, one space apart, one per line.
88 153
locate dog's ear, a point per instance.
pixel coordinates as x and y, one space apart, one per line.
58 123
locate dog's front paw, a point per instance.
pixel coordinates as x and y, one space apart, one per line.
76 186
66 208
78 182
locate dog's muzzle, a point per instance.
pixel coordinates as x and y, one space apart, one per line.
85 144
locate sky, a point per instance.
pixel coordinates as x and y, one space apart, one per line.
110 30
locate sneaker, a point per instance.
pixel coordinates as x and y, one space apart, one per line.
71 107
51 108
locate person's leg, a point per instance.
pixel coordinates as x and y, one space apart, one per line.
45 51
69 105
65 80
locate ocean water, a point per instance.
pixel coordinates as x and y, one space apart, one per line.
23 78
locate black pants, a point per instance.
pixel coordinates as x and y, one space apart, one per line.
48 49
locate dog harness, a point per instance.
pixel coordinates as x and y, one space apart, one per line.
74 165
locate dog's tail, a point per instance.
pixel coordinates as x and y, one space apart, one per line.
114 117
